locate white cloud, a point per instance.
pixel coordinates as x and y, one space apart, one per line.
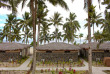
2 25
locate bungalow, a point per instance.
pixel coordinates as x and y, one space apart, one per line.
13 51
97 53
57 52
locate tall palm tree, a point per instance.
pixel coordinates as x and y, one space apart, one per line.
70 27
34 10
26 26
106 2
44 34
95 19
80 36
10 4
56 20
10 22
41 14
87 6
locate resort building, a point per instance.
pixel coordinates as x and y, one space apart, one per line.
58 51
98 54
13 51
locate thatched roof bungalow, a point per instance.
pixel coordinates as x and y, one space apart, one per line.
13 51
57 52
97 52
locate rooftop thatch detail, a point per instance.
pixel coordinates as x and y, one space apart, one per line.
12 46
93 46
58 46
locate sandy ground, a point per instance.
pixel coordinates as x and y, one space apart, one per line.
31 50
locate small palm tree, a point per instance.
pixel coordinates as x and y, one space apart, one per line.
70 27
56 21
80 36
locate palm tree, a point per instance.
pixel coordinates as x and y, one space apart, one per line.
10 22
80 36
95 19
41 14
10 4
1 34
106 2
56 21
26 26
34 10
44 34
98 36
70 27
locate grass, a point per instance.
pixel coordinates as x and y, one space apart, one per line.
107 71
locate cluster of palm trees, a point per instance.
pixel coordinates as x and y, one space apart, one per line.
38 13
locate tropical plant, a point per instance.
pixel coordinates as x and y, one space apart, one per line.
87 6
1 34
95 19
26 26
98 36
34 11
41 14
44 34
106 2
70 28
57 34
80 36
10 23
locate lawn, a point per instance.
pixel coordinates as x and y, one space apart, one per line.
13 63
58 64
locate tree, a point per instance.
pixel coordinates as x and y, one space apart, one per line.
26 26
56 21
41 14
44 34
98 36
1 34
106 2
80 36
70 27
95 19
34 11
10 23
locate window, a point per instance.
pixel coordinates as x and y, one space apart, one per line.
48 51
106 51
2 51
67 51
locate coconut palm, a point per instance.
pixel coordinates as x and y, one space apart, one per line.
80 36
98 36
10 4
70 27
41 14
10 22
87 6
44 34
106 2
56 20
95 19
26 25
1 34
34 10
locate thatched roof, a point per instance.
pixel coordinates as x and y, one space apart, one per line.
93 46
13 46
58 46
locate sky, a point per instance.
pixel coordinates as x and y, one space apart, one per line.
74 7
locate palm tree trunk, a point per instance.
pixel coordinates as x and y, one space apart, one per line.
80 40
10 35
89 39
38 34
34 34
93 33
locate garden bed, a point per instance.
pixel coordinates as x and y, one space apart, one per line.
58 64
46 72
13 63
107 71
98 64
